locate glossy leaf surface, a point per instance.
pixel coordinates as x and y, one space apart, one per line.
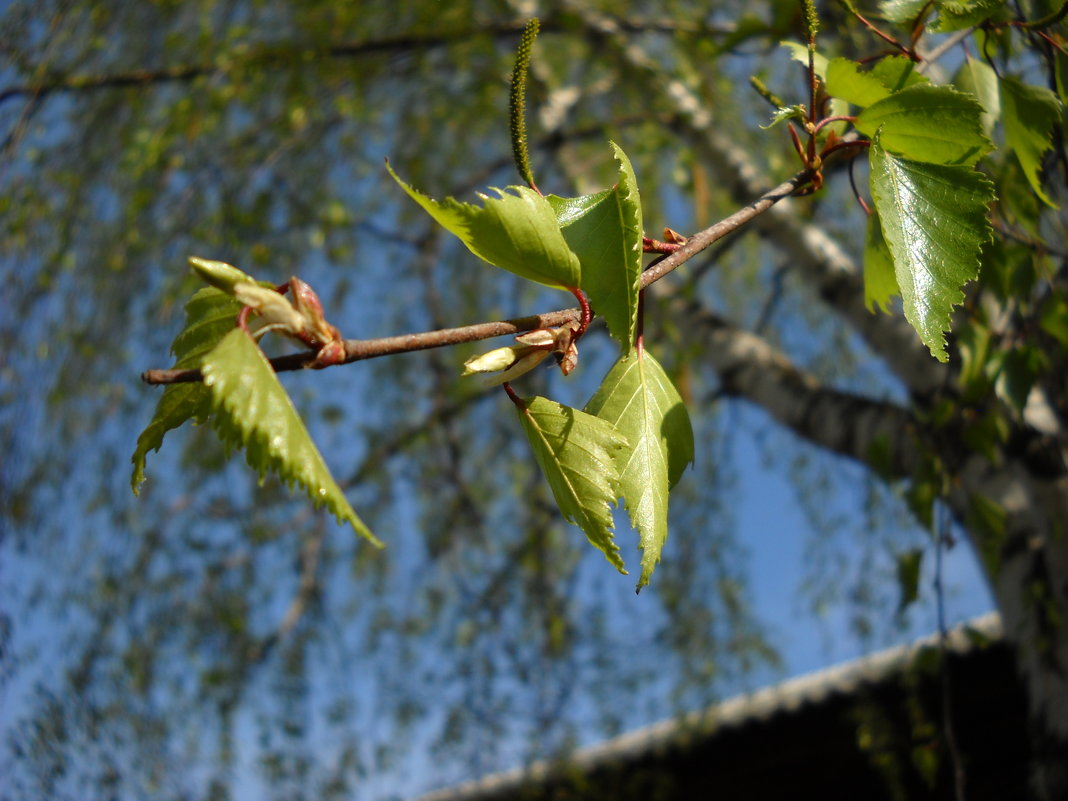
936 124
934 222
605 232
209 314
639 400
250 409
578 453
516 231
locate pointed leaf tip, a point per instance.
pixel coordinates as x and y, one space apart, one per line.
516 231
252 410
639 400
578 455
934 222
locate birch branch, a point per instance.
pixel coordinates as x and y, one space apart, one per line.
358 350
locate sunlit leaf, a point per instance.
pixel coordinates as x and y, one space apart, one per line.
799 52
936 124
605 232
846 80
978 78
639 400
250 409
516 231
955 15
578 454
785 114
1029 114
880 283
901 10
934 222
209 315
897 72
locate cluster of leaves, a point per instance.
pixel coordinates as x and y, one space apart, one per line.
929 226
925 237
634 439
241 396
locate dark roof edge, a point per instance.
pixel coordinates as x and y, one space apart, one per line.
787 696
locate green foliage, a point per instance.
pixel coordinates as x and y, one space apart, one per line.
846 80
209 315
880 283
251 410
934 221
578 453
908 577
901 11
955 15
1029 114
639 400
978 78
604 231
934 124
516 231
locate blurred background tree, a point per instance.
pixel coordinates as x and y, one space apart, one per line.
215 638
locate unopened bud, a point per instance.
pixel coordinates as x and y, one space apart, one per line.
219 274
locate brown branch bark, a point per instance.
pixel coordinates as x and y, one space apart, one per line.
358 350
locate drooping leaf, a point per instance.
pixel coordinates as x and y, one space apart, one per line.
934 221
209 315
880 283
978 78
1029 114
578 454
639 400
516 231
955 15
250 409
935 124
846 80
605 232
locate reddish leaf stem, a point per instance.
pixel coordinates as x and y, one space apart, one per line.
586 313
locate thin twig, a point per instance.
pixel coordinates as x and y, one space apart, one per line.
360 349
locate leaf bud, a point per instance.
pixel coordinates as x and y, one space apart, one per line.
218 273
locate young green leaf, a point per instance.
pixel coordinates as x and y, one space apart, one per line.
1029 114
908 578
956 15
880 283
935 124
934 222
845 80
799 52
901 11
578 454
640 401
516 231
209 315
978 78
897 72
250 409
605 232
786 113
